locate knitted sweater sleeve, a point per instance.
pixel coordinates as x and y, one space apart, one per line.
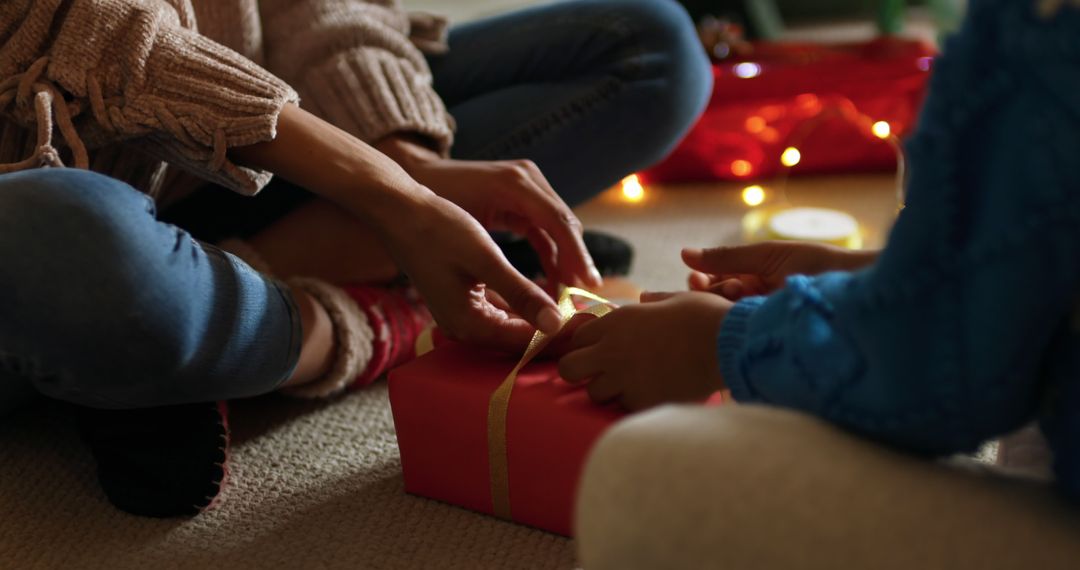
359 65
940 345
105 71
932 355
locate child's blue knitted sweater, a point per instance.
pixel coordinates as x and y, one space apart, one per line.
963 329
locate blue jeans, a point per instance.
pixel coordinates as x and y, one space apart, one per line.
590 90
103 305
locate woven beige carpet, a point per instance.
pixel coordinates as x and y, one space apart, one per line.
318 485
313 486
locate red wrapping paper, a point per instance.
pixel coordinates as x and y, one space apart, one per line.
822 99
440 407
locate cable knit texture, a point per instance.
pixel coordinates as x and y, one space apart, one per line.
352 335
354 66
124 87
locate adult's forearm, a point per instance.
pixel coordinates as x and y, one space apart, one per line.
335 165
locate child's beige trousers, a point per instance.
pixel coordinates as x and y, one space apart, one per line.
746 487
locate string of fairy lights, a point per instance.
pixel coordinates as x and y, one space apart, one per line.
757 194
791 156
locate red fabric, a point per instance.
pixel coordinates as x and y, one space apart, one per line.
440 406
397 316
822 99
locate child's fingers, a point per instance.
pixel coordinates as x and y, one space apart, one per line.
731 289
699 281
718 260
580 365
560 345
603 389
655 296
589 333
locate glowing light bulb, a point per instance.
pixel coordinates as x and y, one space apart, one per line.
756 124
881 130
790 157
753 195
808 102
741 167
769 135
746 70
632 189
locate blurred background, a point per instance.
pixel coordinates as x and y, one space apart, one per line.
843 19
812 104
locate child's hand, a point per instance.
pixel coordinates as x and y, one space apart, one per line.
649 354
761 268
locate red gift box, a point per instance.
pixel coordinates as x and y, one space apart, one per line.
440 404
821 99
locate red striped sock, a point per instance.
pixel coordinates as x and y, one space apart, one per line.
398 317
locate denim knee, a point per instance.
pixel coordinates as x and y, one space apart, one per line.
75 285
66 204
62 267
103 305
56 222
677 72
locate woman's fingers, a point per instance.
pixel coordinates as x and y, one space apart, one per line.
548 251
524 297
551 214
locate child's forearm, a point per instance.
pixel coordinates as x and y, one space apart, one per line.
852 260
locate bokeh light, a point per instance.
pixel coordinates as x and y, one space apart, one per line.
632 189
790 157
881 130
747 70
753 195
741 167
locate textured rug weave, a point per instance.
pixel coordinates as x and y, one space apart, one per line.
312 486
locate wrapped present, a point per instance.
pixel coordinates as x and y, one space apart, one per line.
841 107
479 431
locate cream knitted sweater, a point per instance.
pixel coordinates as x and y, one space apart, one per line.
131 87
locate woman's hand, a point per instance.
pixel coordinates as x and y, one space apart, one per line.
649 354
510 195
761 268
471 289
459 271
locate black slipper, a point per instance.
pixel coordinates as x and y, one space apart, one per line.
159 462
612 255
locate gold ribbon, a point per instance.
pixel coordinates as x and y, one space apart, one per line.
499 404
